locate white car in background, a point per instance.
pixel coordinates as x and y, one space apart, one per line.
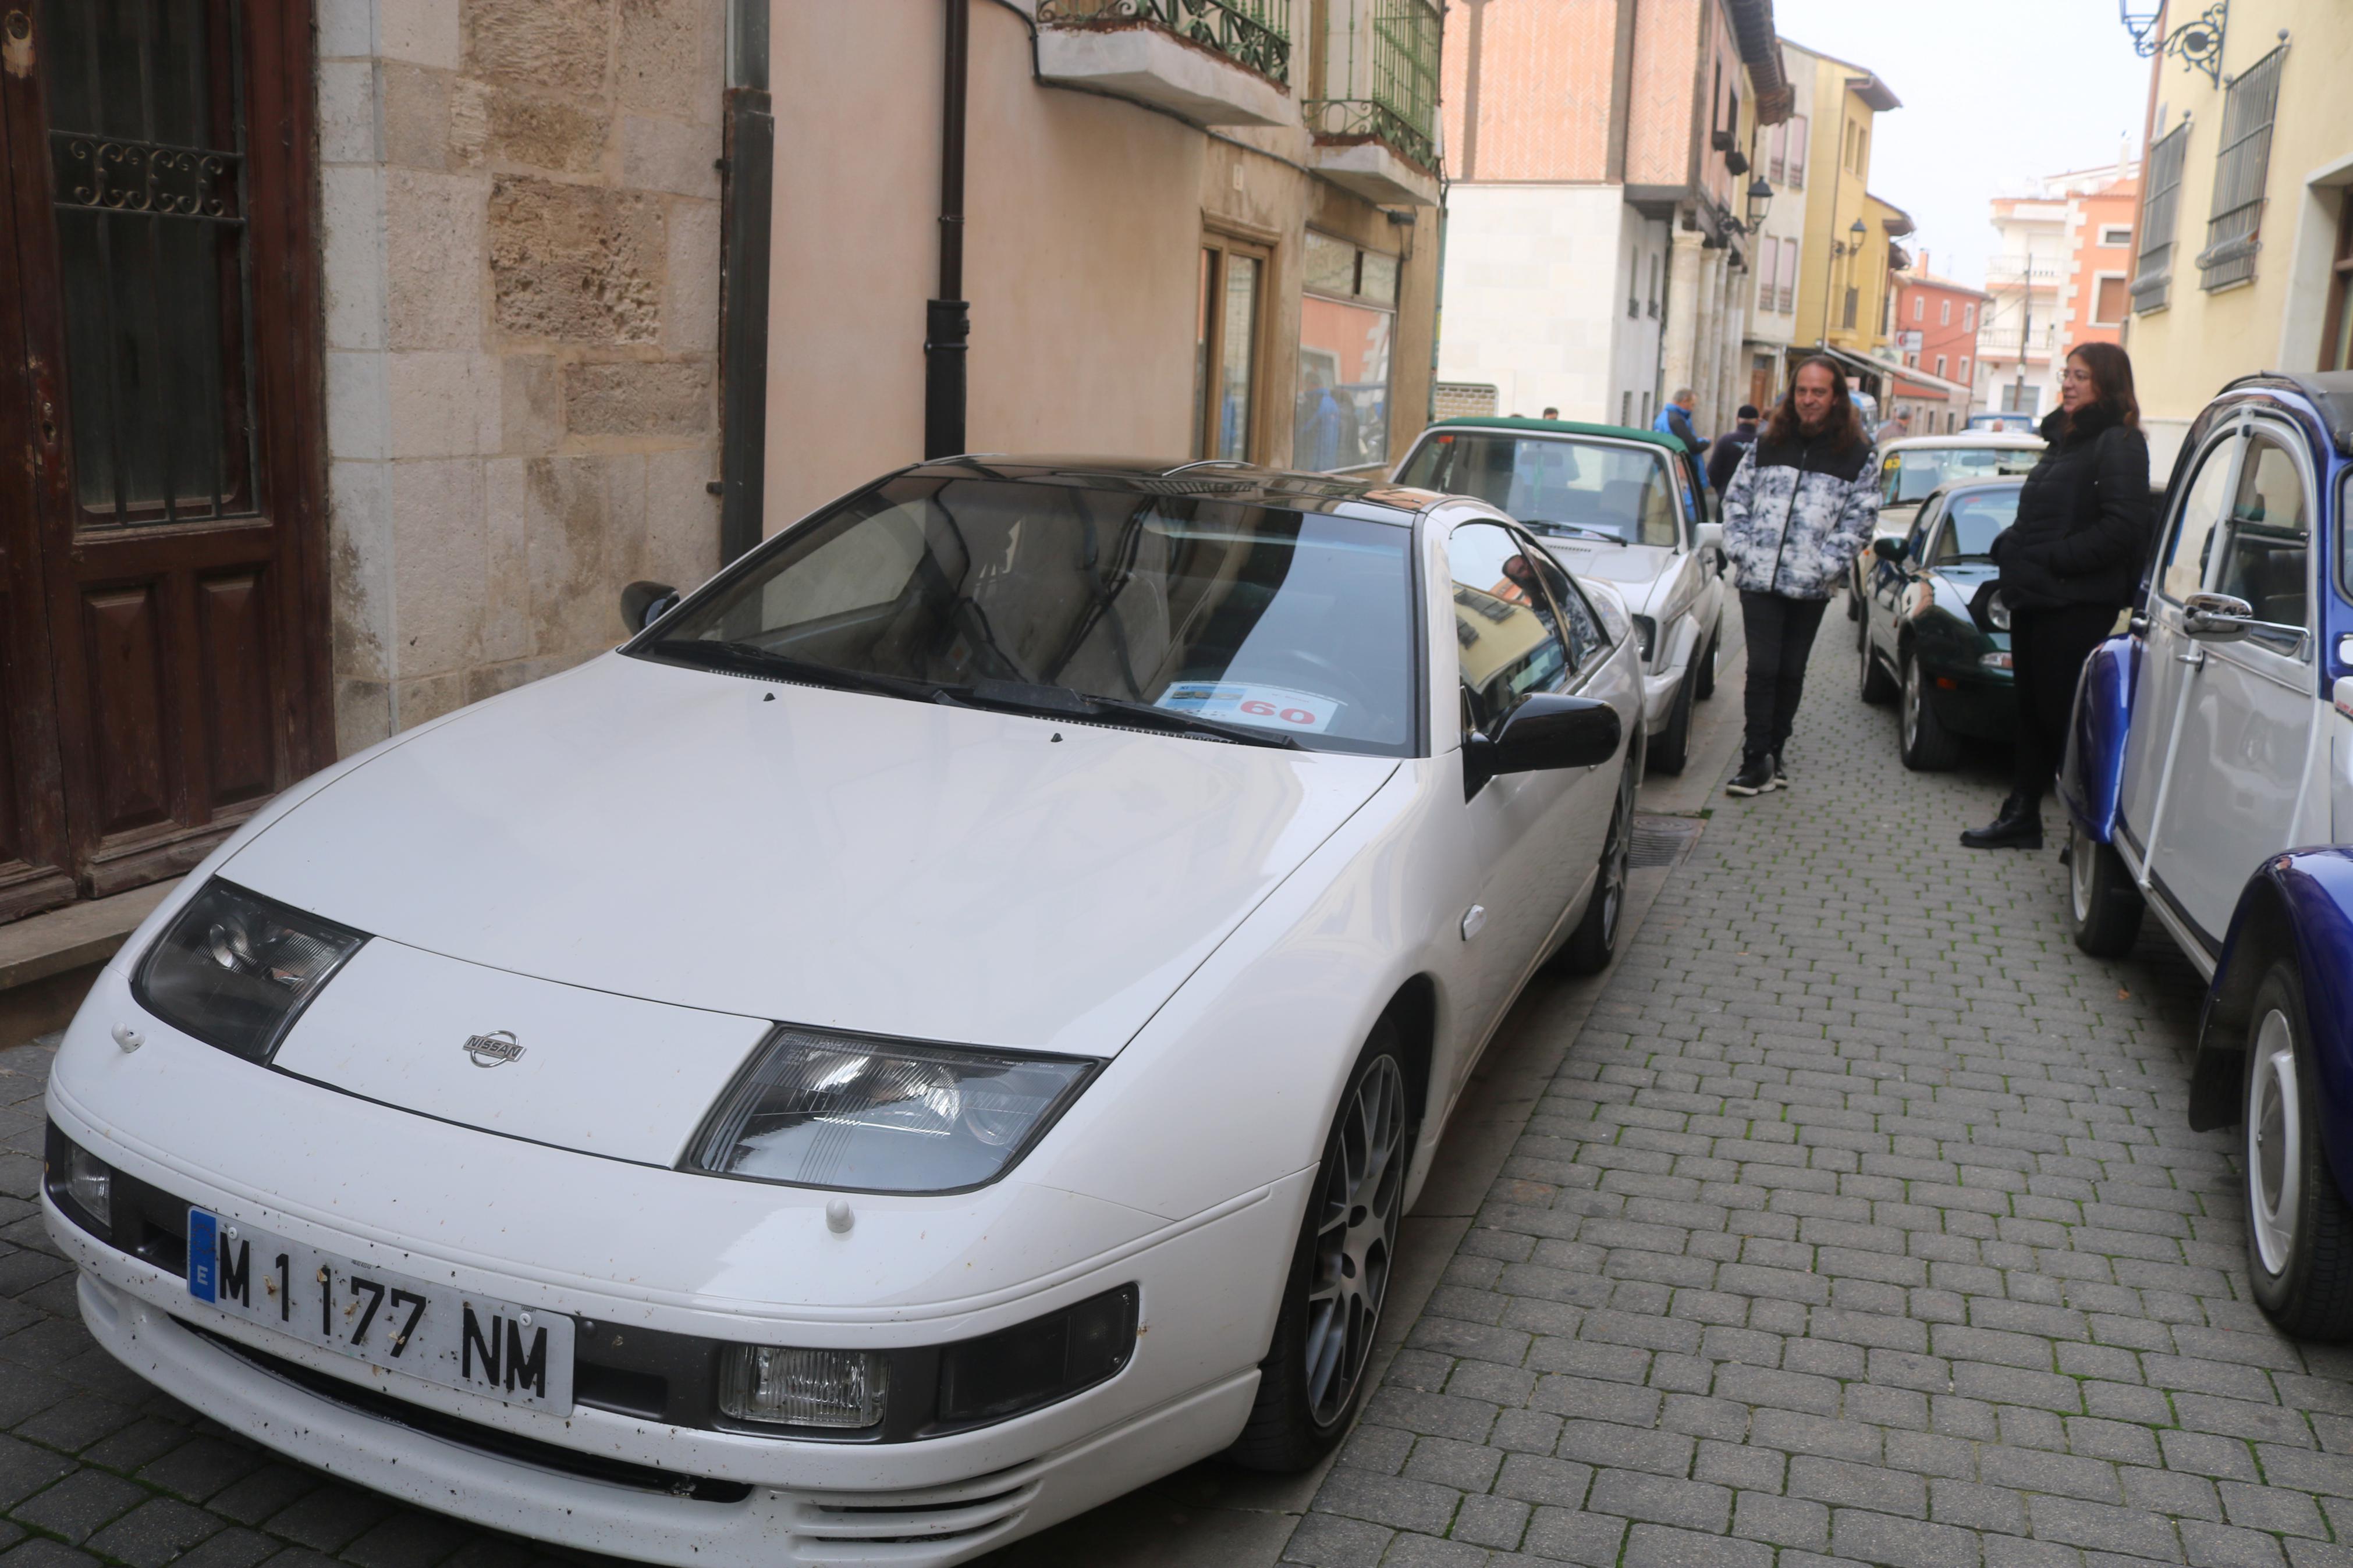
934 1032
1911 469
1624 505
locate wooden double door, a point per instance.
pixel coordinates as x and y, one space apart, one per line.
162 613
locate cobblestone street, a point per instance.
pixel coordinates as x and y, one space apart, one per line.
1861 1223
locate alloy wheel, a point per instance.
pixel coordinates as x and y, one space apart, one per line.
1617 861
1911 705
1355 1238
2275 1143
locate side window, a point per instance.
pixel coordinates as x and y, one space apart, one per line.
1507 628
1579 624
2187 556
2270 538
1916 546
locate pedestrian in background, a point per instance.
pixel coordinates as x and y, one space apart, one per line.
1552 413
1675 419
1894 429
2069 565
1726 455
1799 508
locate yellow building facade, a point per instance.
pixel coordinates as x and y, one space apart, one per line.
1841 289
2244 214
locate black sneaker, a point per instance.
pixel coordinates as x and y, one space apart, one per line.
1755 777
1780 772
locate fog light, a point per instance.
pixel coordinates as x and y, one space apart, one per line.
90 1184
779 1387
1040 1362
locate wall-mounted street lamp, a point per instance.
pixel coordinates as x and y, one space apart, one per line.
2197 43
1760 197
1853 246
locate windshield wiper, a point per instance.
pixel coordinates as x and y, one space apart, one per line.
750 659
1575 530
1063 701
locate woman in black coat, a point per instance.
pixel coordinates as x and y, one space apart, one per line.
2069 564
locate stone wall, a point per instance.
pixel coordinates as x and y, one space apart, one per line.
521 266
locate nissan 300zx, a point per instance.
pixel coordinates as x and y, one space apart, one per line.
935 1030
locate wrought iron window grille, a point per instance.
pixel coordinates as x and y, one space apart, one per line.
1388 82
2242 169
1254 34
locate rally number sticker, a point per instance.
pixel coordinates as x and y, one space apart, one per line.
1241 703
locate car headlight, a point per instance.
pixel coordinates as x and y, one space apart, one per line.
818 1109
1998 611
1646 633
237 969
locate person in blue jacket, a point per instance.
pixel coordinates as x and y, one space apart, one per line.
1675 419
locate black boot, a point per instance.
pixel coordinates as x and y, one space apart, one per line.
2017 826
1755 777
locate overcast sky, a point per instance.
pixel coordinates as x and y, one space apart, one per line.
1993 94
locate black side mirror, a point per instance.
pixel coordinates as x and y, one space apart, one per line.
1889 550
1545 731
643 603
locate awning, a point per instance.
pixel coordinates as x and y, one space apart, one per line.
1877 369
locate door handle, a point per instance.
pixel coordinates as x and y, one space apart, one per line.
2195 659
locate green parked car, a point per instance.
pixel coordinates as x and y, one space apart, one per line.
1934 631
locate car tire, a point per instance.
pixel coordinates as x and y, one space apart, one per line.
1670 748
1704 672
1877 686
2104 908
1594 942
1313 1375
1928 746
2299 1231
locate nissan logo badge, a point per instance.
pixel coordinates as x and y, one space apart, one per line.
492 1050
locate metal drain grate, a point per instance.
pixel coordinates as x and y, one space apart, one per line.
1662 840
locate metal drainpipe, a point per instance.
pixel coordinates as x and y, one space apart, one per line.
947 319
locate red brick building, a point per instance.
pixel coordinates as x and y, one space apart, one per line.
1937 323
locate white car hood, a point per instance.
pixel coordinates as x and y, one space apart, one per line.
1633 566
824 858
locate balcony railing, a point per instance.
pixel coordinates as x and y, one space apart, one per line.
1381 80
1251 33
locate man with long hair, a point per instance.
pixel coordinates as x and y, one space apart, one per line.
1799 508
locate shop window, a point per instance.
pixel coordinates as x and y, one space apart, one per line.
1348 319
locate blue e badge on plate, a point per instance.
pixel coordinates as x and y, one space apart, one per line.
204 1254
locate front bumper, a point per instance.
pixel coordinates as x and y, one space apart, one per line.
623 1245
766 1525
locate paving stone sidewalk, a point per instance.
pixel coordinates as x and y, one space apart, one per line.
1860 1224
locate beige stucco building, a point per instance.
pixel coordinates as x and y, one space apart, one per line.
463 314
2246 206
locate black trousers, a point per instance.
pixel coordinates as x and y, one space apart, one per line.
1780 633
2047 650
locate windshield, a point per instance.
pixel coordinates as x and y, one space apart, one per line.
1000 591
1908 479
1621 490
1972 522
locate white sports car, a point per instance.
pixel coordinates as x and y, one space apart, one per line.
935 1031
